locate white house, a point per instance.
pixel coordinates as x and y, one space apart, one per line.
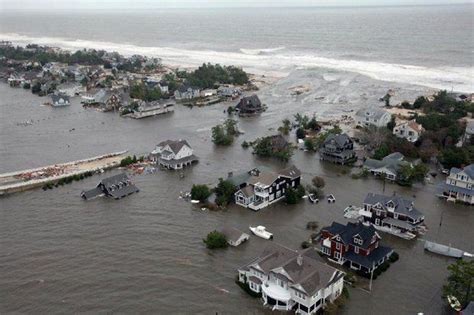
459 185
372 116
234 236
185 92
469 132
291 280
410 130
173 154
59 100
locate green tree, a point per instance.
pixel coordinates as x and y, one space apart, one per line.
220 136
313 124
215 240
318 182
224 192
285 127
454 157
200 192
300 133
460 281
381 152
294 195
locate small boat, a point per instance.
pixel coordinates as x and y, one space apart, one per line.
261 231
454 303
406 235
194 201
313 199
352 212
445 250
331 198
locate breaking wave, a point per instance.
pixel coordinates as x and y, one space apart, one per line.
264 51
459 79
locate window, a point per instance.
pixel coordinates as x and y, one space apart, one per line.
338 245
356 249
395 215
337 255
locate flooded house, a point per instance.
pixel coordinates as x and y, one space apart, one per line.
173 154
104 99
459 185
228 92
388 167
289 280
249 105
187 92
392 214
116 187
234 236
59 100
263 188
149 109
338 149
354 245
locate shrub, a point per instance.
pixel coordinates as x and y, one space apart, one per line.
312 225
224 192
215 240
200 192
305 244
394 257
247 289
245 144
318 182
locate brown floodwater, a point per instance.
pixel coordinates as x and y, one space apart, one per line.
144 254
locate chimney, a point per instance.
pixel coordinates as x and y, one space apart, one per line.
299 260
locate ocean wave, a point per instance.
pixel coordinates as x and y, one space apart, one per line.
263 51
459 79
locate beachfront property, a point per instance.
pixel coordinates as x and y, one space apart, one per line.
234 236
105 99
409 130
372 116
187 92
59 100
354 245
289 280
249 105
117 187
173 154
392 214
228 91
388 167
459 185
338 149
260 189
151 109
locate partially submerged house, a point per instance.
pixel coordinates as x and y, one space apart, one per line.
354 245
59 100
151 109
173 154
459 185
228 92
289 280
409 130
234 236
262 188
388 167
249 105
187 92
372 116
338 149
392 213
117 187
105 99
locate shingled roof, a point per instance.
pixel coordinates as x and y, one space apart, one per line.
401 205
349 231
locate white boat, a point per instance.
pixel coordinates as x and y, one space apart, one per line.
261 231
312 198
352 212
445 250
194 201
454 303
331 198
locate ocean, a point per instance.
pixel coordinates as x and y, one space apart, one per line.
144 254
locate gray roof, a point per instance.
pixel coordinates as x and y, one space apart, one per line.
291 172
392 162
175 145
350 231
373 112
469 310
369 261
250 103
118 186
469 170
233 234
92 193
340 140
402 206
309 275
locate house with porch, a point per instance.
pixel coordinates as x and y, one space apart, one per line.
354 245
372 116
262 188
173 154
388 167
459 185
187 92
289 280
392 214
338 149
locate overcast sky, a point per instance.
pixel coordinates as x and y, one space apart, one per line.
155 4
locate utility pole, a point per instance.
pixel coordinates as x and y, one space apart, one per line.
371 276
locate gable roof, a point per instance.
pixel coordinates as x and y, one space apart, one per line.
303 271
175 145
351 230
373 112
233 234
402 206
339 139
290 172
249 102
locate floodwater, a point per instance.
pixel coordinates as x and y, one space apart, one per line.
144 254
